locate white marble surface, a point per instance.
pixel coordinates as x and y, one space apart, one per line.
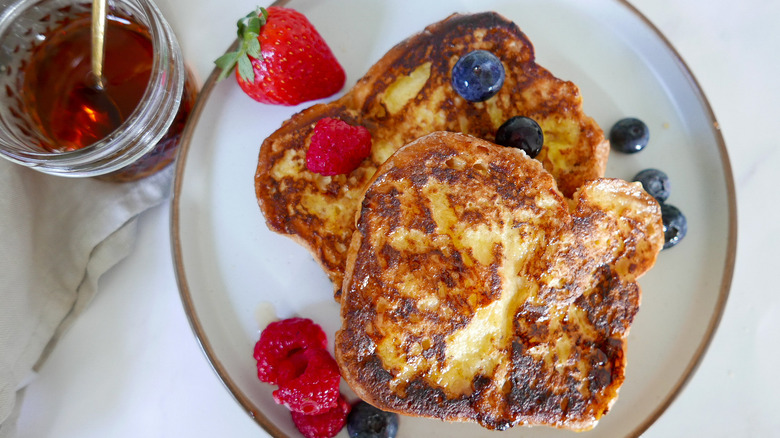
130 365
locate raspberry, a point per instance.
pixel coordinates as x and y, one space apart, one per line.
324 425
291 367
337 147
280 340
314 391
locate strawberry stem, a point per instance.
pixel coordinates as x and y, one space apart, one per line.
248 33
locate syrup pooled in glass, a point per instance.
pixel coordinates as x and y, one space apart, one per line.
60 89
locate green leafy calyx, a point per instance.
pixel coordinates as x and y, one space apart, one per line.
248 46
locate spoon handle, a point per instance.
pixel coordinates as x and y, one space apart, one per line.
98 36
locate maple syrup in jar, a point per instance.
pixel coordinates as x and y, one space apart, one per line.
61 121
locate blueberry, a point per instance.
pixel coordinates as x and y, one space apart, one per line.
366 421
478 75
522 133
655 183
675 225
629 135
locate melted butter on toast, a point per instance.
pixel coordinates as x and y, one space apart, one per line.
405 88
407 94
475 291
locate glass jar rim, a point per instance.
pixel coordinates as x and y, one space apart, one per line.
142 129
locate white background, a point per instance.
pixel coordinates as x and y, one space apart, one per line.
130 365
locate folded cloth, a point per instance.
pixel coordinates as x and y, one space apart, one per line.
57 237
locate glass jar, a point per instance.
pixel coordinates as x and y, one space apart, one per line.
147 138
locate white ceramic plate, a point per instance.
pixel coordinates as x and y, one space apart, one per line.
235 275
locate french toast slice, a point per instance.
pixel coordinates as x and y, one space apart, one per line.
405 95
474 291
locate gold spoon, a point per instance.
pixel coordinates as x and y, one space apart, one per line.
98 37
94 99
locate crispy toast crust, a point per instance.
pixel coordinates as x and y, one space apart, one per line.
474 291
407 94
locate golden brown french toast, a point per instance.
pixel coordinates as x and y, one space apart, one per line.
408 94
474 291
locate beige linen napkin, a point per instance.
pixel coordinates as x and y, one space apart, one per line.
57 237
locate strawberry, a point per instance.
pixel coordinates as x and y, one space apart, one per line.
282 59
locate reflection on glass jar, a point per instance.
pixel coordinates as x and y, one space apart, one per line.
54 118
